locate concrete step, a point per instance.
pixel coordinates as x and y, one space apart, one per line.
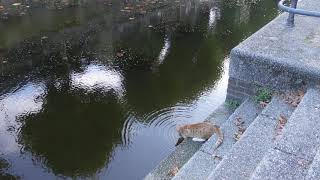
206 159
246 154
314 170
294 151
187 148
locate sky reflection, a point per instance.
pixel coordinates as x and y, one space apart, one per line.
97 76
26 100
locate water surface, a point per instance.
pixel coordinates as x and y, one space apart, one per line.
95 92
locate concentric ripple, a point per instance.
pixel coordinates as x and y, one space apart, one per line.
159 123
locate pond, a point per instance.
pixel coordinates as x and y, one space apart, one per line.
95 91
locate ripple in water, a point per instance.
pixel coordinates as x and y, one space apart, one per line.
159 123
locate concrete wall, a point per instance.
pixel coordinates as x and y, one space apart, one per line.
278 56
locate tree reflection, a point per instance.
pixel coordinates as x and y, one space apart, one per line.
75 132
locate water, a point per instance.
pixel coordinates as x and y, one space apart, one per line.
95 92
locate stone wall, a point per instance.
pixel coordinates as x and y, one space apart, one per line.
277 56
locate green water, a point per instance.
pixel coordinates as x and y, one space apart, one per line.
95 93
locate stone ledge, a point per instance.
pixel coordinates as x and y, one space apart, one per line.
246 154
280 56
281 166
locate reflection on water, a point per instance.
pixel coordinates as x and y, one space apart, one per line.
23 101
214 16
165 50
97 77
96 92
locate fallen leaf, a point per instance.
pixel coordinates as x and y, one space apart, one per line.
237 136
281 123
44 37
283 119
124 10
293 98
217 157
119 54
241 129
173 171
263 104
16 4
238 121
302 162
128 8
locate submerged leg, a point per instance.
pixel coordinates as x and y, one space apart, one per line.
179 141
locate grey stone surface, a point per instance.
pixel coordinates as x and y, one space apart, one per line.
314 170
246 154
238 89
200 168
294 151
301 136
205 160
277 107
177 158
281 166
187 148
220 115
280 56
248 111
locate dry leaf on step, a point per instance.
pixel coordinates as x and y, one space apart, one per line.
263 104
173 171
281 123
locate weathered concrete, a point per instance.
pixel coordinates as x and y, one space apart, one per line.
177 158
279 165
247 112
246 154
314 170
301 135
294 151
279 56
205 160
187 148
198 167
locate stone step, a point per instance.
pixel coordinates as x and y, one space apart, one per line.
246 154
294 151
187 148
314 170
206 159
